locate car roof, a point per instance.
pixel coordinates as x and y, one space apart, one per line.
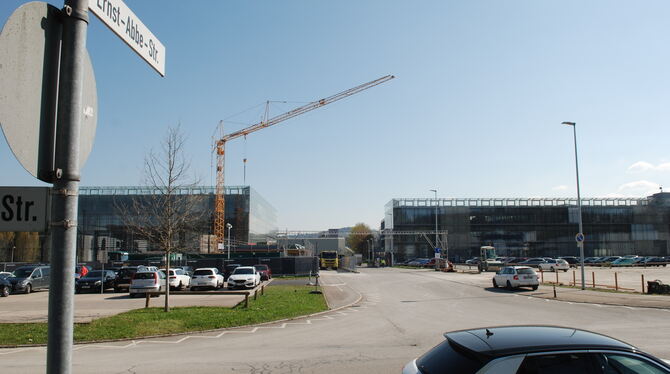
509 340
246 267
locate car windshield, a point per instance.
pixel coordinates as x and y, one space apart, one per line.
203 272
23 272
126 272
243 271
93 274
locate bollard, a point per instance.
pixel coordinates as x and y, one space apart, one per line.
593 276
255 293
574 278
541 276
554 291
246 300
262 290
556 276
616 282
148 297
642 276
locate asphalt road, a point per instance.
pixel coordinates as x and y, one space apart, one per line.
403 313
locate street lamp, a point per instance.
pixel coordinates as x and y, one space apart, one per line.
580 235
437 265
229 226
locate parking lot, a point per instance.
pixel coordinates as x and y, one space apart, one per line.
34 307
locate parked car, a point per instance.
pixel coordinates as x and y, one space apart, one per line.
188 270
144 282
655 261
608 259
533 349
123 278
5 274
473 261
554 265
515 277
624 261
30 278
94 280
535 261
206 278
229 270
591 260
264 271
572 260
5 287
178 279
244 276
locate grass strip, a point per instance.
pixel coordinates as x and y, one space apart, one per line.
279 302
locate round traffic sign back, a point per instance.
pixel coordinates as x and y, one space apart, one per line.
579 237
29 52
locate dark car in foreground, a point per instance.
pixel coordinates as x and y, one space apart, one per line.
94 280
123 278
534 350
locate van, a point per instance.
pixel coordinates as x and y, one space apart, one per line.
30 278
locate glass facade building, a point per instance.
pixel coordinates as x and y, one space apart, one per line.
531 227
101 227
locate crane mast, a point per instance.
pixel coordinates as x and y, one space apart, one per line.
219 202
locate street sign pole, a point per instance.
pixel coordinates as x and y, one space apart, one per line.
66 187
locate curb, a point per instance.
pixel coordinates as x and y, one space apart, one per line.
360 297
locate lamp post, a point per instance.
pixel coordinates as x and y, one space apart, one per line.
580 235
229 226
369 253
437 262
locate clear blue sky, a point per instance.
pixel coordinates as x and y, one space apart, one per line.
475 111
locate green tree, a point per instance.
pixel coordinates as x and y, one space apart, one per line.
358 238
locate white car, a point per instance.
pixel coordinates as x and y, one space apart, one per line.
515 277
244 276
554 265
206 278
147 282
178 279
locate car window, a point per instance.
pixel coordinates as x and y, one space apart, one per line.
37 273
203 272
525 271
144 275
45 271
573 363
243 271
443 358
624 364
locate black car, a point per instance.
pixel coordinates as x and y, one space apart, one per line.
229 270
123 278
572 260
531 350
5 287
534 262
94 280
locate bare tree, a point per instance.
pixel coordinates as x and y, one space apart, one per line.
161 216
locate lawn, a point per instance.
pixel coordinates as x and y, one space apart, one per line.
279 302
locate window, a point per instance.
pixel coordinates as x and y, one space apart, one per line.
573 363
624 364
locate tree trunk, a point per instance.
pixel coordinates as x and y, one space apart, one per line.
167 281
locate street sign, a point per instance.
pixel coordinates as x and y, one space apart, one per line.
29 61
24 208
437 252
579 237
127 26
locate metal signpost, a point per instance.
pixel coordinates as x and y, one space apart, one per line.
49 122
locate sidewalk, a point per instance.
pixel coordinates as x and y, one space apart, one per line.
576 295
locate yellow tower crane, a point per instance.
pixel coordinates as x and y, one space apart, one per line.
219 202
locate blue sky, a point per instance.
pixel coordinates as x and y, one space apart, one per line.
475 111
